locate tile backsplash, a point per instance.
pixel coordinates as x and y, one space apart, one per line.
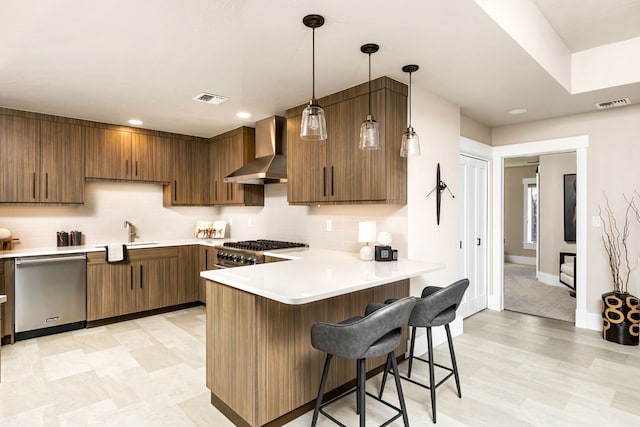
109 204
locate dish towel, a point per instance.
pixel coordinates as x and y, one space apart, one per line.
116 253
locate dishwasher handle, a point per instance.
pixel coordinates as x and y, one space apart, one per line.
49 259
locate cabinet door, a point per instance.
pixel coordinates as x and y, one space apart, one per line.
6 309
207 261
355 175
157 282
111 290
19 147
217 189
61 163
108 154
307 171
151 158
191 174
188 274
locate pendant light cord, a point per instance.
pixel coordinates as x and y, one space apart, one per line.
410 99
369 84
313 63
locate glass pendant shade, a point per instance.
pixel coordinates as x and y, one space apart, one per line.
369 134
410 144
314 126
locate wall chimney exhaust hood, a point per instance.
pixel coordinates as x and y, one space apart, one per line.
270 164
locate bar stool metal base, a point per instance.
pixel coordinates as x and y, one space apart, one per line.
453 371
391 363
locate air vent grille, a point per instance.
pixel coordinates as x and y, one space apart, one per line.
210 98
613 104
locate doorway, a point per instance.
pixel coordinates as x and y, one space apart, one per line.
579 145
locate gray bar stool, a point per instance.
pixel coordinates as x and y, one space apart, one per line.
436 307
359 338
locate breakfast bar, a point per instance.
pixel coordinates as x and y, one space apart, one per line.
261 367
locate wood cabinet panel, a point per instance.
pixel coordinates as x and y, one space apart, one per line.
227 153
147 281
207 260
190 183
19 151
151 158
6 309
260 362
62 163
336 171
108 154
189 274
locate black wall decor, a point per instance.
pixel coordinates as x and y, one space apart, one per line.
570 207
440 186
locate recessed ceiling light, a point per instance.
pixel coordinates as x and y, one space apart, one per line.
243 115
518 111
135 122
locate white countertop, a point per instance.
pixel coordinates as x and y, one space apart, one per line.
3 298
316 274
100 247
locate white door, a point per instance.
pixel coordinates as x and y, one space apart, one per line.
473 204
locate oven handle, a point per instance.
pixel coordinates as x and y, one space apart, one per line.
218 266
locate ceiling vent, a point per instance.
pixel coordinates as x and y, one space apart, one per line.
613 104
210 98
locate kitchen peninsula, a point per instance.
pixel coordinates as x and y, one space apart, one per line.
261 367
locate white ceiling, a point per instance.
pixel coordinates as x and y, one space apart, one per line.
115 60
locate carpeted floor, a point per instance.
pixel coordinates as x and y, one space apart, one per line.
524 294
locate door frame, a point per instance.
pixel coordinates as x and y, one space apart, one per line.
579 144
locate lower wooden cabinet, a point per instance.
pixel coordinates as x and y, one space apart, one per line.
6 309
208 258
148 280
188 274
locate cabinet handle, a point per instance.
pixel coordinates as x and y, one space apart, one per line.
136 168
131 276
175 190
332 180
140 276
324 181
478 241
126 168
215 190
46 185
206 258
231 187
34 185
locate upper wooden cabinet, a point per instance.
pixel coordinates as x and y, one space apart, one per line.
229 152
121 155
335 171
190 182
44 161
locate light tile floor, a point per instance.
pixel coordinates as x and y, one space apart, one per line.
517 370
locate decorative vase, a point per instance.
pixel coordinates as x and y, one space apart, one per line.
620 318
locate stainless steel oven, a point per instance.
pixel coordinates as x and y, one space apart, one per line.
249 252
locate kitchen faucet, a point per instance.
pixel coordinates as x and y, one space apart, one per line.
132 231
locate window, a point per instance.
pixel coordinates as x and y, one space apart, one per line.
530 219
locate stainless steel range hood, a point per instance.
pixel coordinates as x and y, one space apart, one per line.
270 164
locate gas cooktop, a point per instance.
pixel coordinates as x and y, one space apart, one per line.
263 245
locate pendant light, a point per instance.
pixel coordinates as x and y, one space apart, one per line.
369 130
410 141
313 127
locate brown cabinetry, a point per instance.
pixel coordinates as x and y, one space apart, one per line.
188 274
190 183
207 261
229 152
121 155
149 280
6 309
44 161
336 171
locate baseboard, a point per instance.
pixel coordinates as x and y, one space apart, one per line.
550 279
517 259
586 320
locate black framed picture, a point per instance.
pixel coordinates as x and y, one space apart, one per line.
570 207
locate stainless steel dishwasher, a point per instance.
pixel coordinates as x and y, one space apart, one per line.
50 294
